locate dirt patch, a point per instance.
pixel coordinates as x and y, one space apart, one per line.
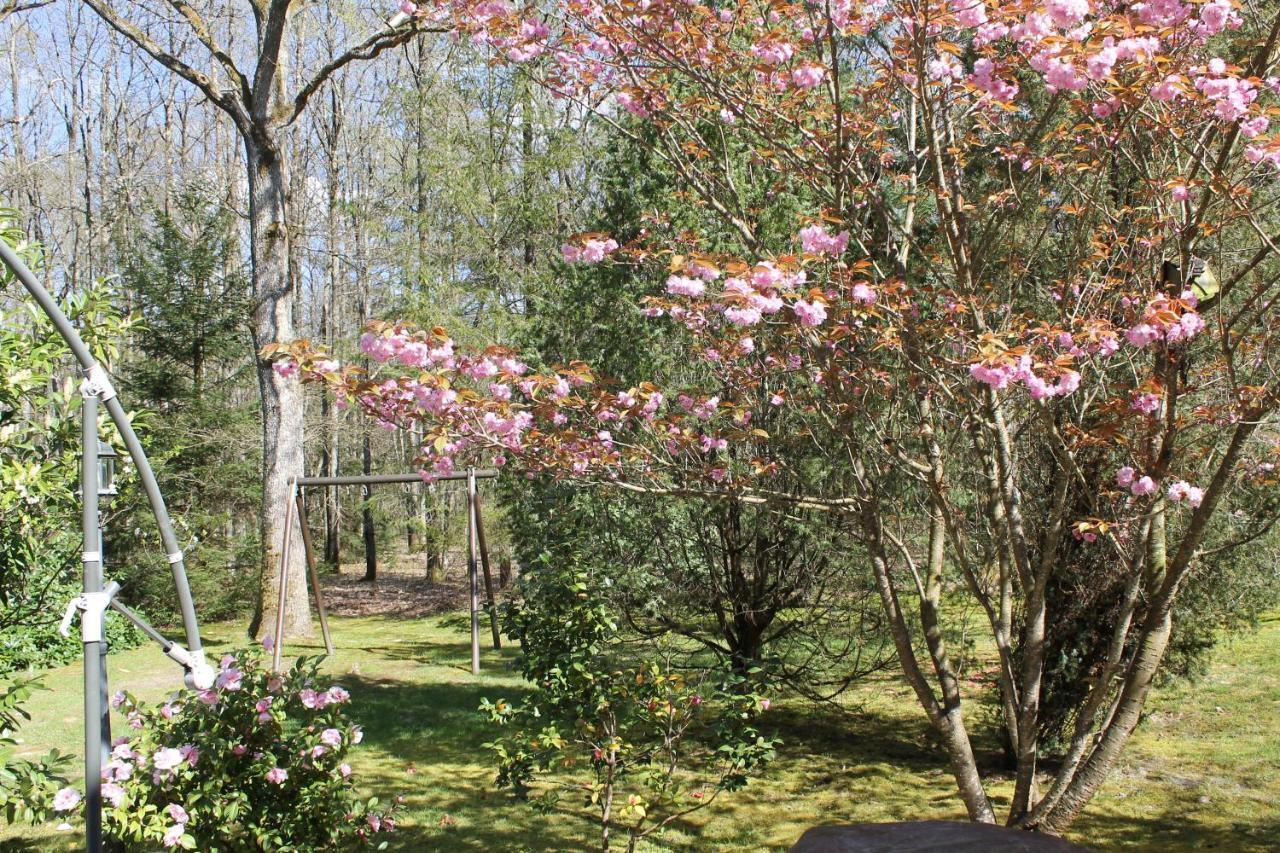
402 590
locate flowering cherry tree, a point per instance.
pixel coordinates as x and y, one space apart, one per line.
1028 318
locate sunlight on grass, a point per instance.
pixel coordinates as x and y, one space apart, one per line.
1202 771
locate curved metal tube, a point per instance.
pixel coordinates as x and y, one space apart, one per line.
199 674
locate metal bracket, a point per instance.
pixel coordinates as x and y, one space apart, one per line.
199 674
92 607
97 383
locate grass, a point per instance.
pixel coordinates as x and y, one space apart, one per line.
1203 771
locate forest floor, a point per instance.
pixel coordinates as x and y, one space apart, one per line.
1202 772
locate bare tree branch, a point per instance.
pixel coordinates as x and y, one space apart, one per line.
205 35
195 77
367 49
14 7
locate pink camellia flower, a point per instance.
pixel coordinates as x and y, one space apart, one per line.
338 695
344 770
1124 477
173 835
239 749
1143 486
229 679
357 734
117 699
375 822
764 704
277 775
318 750
66 799
408 8
312 699
190 753
178 813
168 710
166 759
208 697
113 793
332 737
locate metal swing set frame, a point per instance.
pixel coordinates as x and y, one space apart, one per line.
476 547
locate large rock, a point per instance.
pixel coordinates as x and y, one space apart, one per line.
935 836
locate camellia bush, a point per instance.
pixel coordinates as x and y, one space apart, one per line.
1028 320
257 762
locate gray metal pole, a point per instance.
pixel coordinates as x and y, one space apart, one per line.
488 574
277 650
471 572
93 641
199 673
376 479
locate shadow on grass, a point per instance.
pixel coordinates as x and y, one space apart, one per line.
1174 827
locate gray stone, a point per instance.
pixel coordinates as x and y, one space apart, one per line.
928 836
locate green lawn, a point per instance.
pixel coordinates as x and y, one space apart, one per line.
1203 772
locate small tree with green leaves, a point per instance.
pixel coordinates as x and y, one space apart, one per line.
27 788
641 742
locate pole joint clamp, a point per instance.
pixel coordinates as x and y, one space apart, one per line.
97 383
92 606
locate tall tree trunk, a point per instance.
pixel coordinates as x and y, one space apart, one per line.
282 400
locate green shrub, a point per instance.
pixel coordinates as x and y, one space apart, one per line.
258 762
649 742
27 788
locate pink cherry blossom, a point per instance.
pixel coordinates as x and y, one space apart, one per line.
810 314
816 240
807 76
1143 486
